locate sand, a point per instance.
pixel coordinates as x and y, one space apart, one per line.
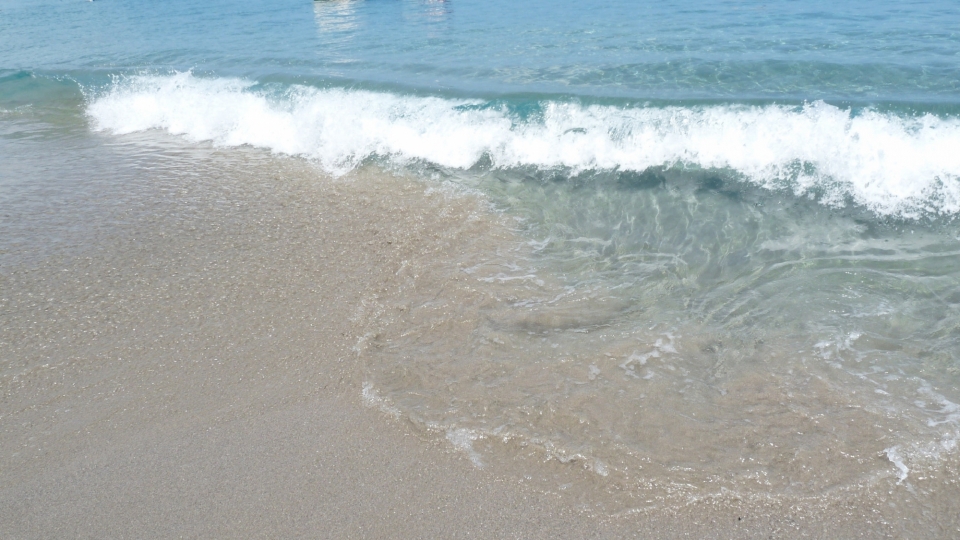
179 359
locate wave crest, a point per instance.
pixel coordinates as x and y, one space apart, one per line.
905 166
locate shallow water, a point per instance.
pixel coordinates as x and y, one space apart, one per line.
701 335
732 254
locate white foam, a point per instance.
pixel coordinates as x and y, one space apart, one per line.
371 398
948 412
462 439
893 455
891 164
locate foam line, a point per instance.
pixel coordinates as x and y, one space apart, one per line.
891 164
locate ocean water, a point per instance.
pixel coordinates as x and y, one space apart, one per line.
736 261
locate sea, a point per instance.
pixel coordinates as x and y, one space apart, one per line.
733 260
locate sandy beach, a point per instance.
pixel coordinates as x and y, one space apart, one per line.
186 365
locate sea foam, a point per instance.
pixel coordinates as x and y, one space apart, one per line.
892 164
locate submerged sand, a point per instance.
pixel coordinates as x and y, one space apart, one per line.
182 356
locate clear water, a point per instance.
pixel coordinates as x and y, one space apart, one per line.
737 219
867 52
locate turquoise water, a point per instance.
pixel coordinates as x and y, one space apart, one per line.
698 178
854 103
863 52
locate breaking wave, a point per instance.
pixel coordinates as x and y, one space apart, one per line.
898 165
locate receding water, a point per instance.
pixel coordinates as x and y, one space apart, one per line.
699 330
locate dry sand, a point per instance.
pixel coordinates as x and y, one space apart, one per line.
180 362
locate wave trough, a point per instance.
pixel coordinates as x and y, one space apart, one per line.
894 165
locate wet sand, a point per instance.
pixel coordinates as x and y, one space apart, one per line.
181 361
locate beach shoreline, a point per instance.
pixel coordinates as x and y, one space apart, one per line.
194 372
438 268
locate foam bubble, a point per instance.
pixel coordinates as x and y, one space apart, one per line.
893 455
372 398
463 439
894 165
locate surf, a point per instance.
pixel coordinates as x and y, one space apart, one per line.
893 164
